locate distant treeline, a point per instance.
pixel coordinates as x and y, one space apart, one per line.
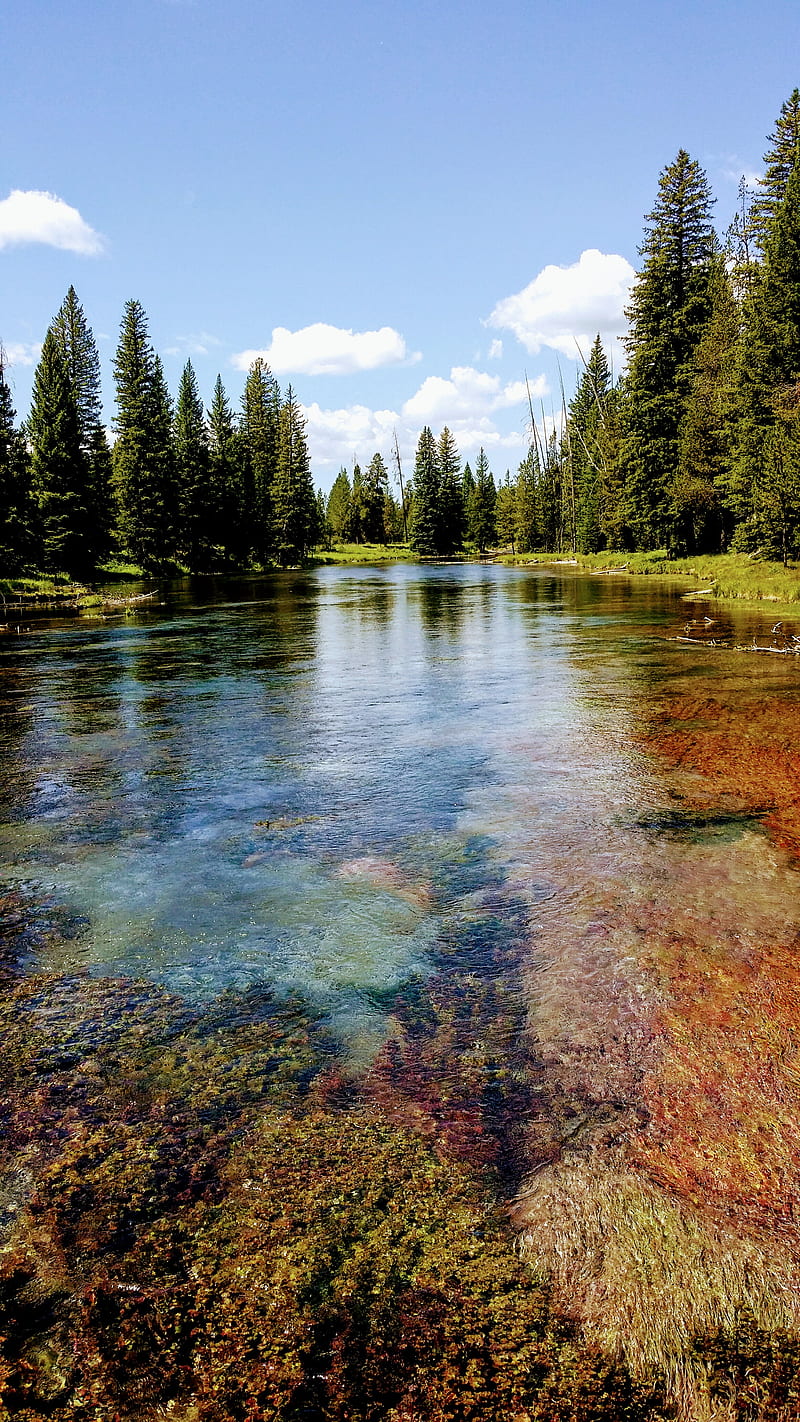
696 448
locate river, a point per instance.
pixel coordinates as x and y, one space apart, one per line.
512 869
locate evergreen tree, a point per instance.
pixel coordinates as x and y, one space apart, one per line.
452 521
296 519
779 161
527 531
198 517
230 496
57 466
767 371
669 308
707 427
392 518
425 513
144 468
467 491
356 507
16 536
506 514
82 361
589 449
261 404
375 486
481 511
339 505
550 495
325 534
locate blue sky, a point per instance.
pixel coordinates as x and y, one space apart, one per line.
392 202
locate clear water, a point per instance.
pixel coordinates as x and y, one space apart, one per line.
320 782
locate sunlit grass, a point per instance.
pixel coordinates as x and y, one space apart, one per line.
363 553
726 575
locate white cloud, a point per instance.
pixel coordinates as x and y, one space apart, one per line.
563 306
467 394
43 217
21 353
496 350
465 403
197 345
321 349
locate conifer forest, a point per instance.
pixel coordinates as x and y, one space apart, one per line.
693 448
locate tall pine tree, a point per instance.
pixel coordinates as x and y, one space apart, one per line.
58 469
16 533
261 404
452 522
779 160
670 304
198 517
144 464
296 514
82 361
425 513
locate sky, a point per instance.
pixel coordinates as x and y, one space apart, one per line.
418 213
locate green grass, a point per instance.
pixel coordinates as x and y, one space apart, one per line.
363 553
727 575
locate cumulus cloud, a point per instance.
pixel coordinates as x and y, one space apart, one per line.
496 350
466 403
20 353
468 393
565 307
43 217
321 349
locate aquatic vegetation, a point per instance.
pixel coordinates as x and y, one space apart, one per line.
205 1220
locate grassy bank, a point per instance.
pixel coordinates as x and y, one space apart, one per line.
363 553
726 575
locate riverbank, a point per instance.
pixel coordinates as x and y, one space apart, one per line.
723 575
728 576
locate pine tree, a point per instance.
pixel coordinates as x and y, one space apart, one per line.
589 449
669 308
339 505
198 515
144 467
261 404
481 512
452 522
82 361
506 513
230 494
57 465
375 486
425 513
295 515
779 160
527 531
16 535
707 428
467 491
768 369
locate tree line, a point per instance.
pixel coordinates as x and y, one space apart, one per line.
181 485
694 448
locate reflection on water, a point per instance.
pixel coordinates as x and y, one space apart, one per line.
195 783
470 857
278 782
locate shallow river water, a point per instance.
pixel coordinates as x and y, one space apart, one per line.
524 861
